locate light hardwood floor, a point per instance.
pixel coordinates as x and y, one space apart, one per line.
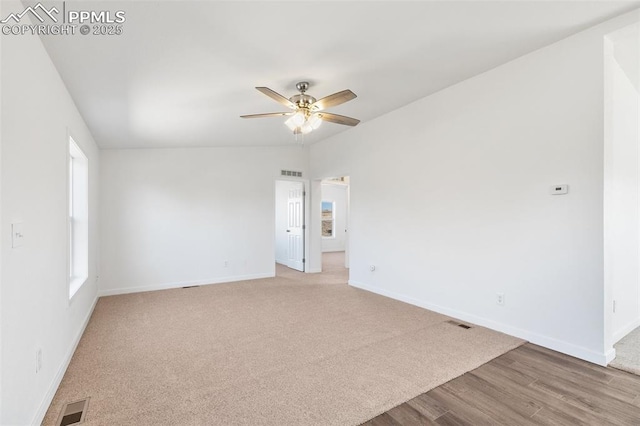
530 385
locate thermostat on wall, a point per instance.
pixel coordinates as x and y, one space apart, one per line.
559 189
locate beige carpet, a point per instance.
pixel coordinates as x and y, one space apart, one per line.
628 353
288 350
333 271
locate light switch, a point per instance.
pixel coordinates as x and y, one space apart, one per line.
559 189
17 236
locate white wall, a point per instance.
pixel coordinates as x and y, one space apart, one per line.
37 112
2 13
473 216
314 214
337 193
172 217
621 178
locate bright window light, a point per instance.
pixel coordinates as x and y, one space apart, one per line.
78 218
328 219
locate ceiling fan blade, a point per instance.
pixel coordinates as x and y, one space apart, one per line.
268 114
333 100
339 119
277 97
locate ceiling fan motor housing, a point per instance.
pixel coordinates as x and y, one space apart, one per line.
302 100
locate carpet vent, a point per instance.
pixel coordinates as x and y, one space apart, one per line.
74 413
290 173
465 326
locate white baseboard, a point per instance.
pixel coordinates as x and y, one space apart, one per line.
166 286
625 330
53 388
333 250
545 341
610 355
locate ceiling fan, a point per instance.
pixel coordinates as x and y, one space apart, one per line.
307 113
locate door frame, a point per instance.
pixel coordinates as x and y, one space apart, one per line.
613 302
305 214
314 259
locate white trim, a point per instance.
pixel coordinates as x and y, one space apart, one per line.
2 391
75 284
180 284
612 29
547 342
78 205
74 149
53 388
610 355
314 271
625 330
306 190
332 250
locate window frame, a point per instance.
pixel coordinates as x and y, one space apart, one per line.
333 219
77 217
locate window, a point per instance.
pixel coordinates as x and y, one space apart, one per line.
328 219
78 218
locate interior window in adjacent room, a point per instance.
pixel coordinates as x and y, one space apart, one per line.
328 219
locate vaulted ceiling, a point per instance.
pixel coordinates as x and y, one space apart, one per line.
183 72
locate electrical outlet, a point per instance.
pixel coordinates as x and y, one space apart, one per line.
38 360
226 263
500 299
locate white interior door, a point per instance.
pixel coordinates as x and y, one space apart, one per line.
295 228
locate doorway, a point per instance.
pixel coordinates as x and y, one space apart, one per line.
334 220
290 224
622 189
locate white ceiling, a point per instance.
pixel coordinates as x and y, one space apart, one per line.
183 72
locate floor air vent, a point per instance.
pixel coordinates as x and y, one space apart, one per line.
465 326
191 286
74 413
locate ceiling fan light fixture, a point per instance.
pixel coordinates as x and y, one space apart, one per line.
298 118
291 125
315 121
306 128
